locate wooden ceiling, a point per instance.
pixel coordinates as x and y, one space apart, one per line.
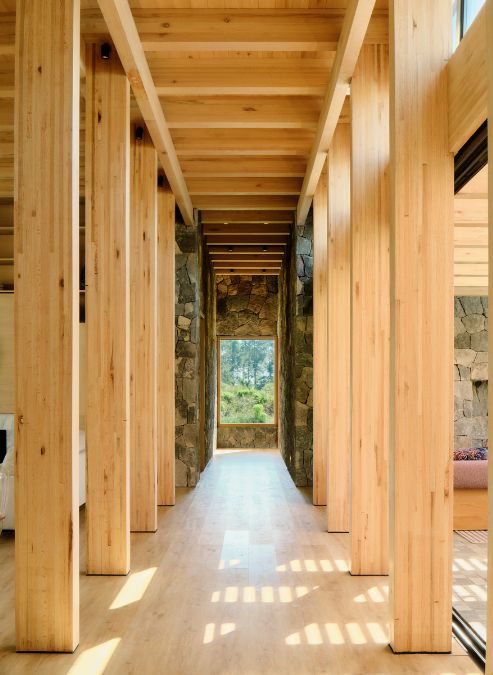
241 87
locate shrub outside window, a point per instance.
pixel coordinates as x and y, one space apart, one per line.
247 381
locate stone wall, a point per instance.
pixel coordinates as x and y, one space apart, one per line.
286 330
209 304
303 358
187 355
247 306
471 372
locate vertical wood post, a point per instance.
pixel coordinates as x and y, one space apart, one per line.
320 354
339 330
422 338
370 312
107 314
46 206
166 345
489 29
143 325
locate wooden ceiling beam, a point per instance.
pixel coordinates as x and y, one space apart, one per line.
253 202
247 228
244 186
244 251
255 239
244 167
255 257
264 264
242 30
242 216
355 26
246 142
125 37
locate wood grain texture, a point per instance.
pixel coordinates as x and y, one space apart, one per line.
166 346
143 327
356 21
370 302
320 337
468 84
339 331
46 207
7 353
422 340
118 17
107 240
470 509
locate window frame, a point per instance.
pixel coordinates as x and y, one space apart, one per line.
263 425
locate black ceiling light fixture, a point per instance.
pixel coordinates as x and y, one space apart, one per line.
230 249
265 249
105 51
139 133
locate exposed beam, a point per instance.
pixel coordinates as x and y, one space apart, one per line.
244 251
239 216
467 84
255 203
252 258
124 34
258 240
244 271
244 186
244 167
355 26
247 228
242 142
268 265
236 30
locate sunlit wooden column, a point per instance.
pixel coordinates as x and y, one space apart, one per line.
339 330
489 652
46 325
166 344
422 337
370 306
143 326
320 353
108 312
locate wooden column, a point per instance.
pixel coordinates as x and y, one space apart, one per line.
107 314
166 346
320 353
46 325
339 330
143 324
422 339
370 312
489 28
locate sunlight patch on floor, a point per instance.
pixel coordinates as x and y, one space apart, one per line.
95 659
134 588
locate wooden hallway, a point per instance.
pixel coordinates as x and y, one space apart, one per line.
240 579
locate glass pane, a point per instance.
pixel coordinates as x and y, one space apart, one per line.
471 10
247 386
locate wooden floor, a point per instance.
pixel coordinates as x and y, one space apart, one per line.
240 579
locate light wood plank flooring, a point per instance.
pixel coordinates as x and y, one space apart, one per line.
240 579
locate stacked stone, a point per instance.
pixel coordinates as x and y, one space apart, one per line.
471 372
303 455
187 355
247 305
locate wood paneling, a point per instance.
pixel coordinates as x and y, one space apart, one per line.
166 346
422 339
339 331
320 337
108 314
355 25
467 84
143 326
46 326
370 322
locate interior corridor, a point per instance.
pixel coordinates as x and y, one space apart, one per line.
240 578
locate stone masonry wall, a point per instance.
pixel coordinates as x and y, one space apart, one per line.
303 456
187 355
247 306
471 372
